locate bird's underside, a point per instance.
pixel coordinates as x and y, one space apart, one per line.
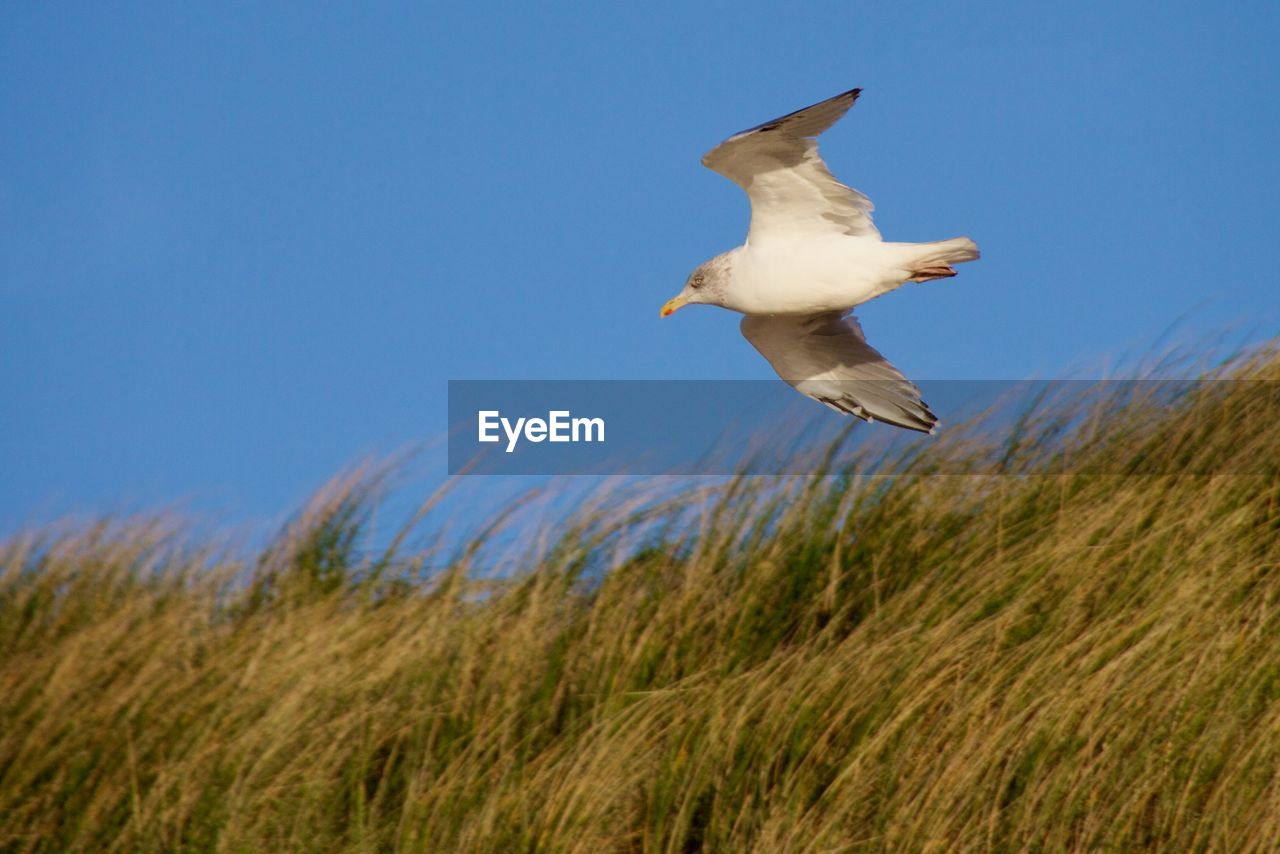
796 201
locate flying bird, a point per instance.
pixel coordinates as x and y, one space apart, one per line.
811 255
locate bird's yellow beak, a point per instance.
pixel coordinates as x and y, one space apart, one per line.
670 306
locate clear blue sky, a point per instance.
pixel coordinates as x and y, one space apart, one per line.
243 244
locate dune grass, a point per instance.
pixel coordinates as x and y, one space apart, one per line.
998 662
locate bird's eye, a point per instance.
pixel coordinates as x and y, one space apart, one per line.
697 281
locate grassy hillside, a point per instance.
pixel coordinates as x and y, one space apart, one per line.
1068 661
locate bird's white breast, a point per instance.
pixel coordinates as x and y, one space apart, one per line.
805 274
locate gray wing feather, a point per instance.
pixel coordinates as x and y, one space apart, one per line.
789 185
826 357
807 121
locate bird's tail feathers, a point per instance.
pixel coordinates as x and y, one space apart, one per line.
935 259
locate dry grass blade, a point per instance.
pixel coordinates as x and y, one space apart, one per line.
1074 661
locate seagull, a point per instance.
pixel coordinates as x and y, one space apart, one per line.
811 255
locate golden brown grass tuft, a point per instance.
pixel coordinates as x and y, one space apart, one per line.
1076 661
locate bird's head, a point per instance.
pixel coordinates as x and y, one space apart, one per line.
708 284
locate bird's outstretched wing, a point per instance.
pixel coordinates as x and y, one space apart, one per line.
790 188
826 357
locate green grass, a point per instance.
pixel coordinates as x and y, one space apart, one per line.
1032 662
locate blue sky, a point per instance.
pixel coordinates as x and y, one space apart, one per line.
241 246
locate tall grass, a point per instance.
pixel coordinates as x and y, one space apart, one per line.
1075 661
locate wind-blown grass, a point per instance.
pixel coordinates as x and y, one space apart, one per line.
1068 661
